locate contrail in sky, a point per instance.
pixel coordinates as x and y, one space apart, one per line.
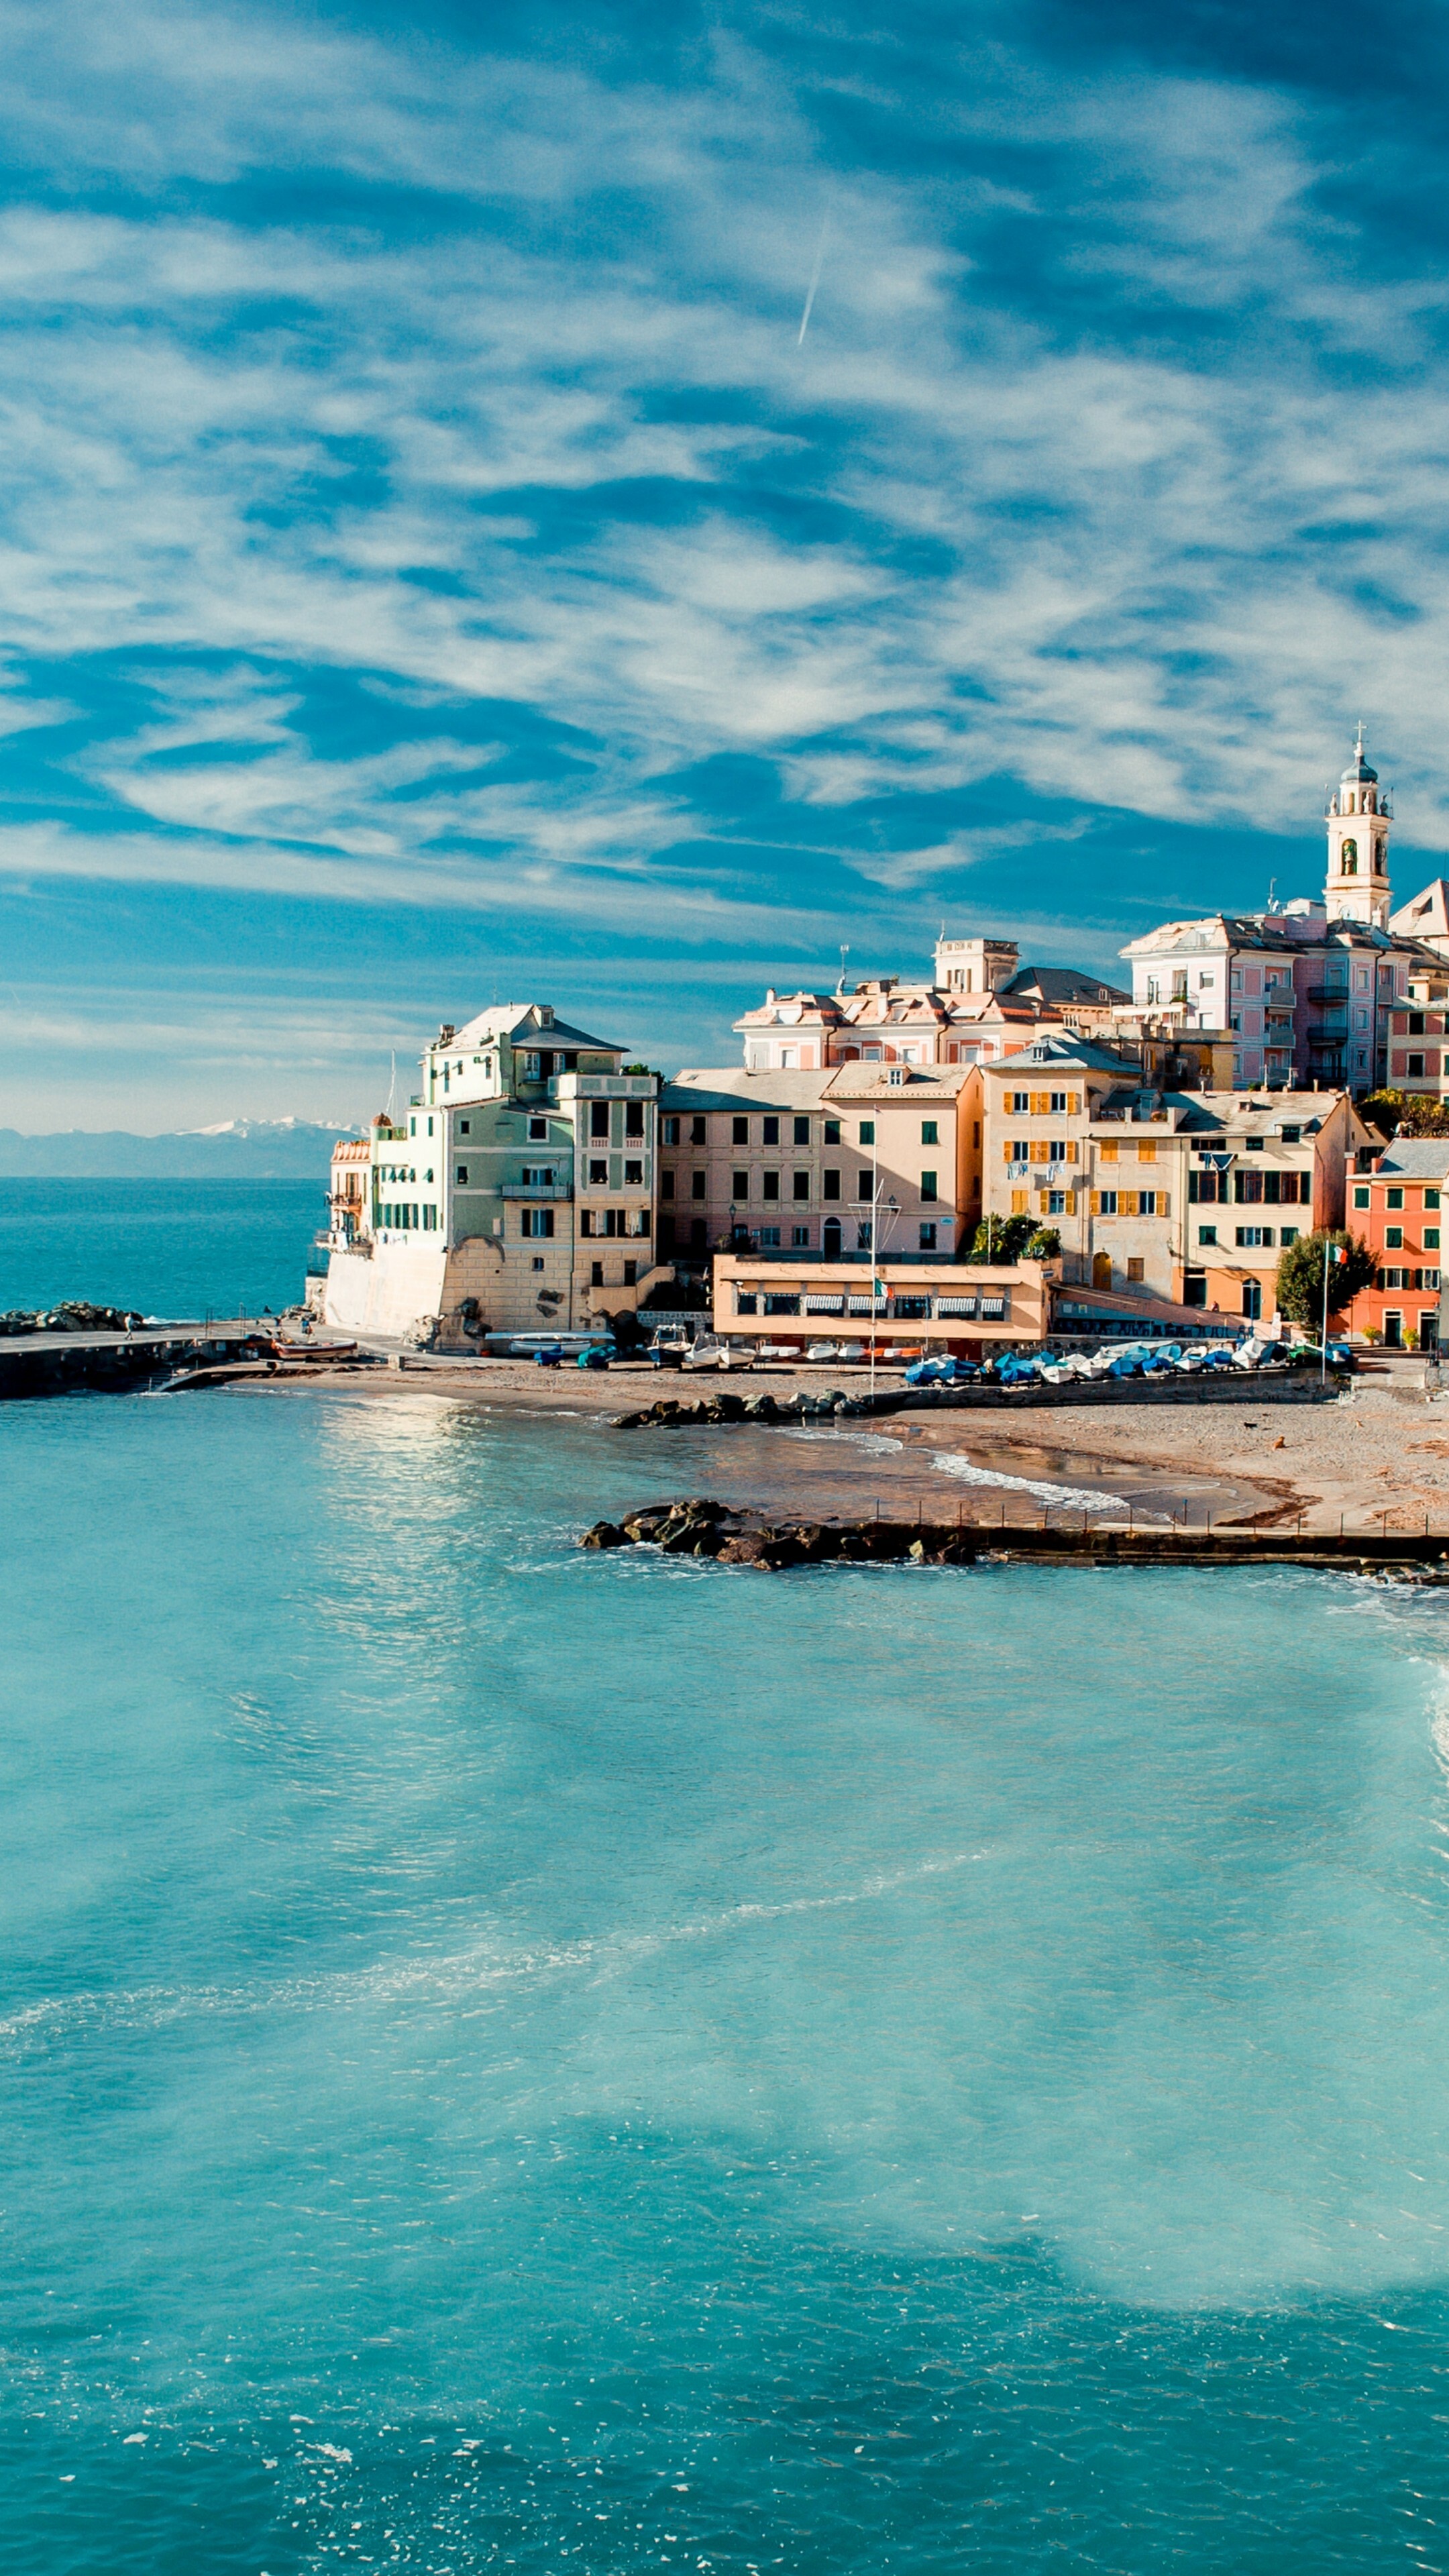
814 282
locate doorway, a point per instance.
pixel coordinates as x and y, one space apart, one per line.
1101 1270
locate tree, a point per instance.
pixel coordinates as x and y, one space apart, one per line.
1001 1238
1044 1245
1405 1113
1300 1275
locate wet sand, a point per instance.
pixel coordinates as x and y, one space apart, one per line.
1377 1456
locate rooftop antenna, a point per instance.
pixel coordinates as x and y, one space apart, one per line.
392 1088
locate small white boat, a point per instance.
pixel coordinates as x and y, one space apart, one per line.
823 1351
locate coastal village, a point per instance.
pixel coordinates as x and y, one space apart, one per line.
993 1154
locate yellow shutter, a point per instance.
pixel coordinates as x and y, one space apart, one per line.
1107 1153
1018 1203
1006 1151
1041 1150
1041 1103
1147 1153
1164 1203
1074 1103
1096 1202
1127 1203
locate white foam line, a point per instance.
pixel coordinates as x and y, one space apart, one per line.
457 1976
952 1463
876 1442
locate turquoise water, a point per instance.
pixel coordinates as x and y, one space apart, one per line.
169 1248
514 2059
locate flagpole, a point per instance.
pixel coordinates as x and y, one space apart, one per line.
1323 1354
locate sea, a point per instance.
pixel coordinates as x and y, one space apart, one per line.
519 2059
527 2059
179 1250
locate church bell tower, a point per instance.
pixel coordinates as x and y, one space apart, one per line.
1359 818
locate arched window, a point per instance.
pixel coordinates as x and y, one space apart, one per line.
1348 859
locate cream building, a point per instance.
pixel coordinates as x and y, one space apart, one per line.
516 1192
792 1162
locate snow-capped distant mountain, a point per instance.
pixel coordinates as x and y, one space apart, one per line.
242 1149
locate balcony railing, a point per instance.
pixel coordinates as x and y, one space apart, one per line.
536 1190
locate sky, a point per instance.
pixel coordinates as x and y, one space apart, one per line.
617 504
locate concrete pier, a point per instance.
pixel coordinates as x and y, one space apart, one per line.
37 1364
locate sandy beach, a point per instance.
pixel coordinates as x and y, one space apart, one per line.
1376 1455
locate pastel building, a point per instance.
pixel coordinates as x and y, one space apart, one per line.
1308 991
1398 1209
982 1003
792 1162
517 1189
1187 1196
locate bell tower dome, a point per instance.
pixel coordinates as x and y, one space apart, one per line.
1359 818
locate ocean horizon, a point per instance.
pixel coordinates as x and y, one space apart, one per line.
175 1249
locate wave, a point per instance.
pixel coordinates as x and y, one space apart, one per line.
1082 1499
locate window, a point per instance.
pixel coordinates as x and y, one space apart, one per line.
532 1068
928 1188
633 1176
771 1184
462 1176
1147 1203
867 1131
1252 1237
929 1132
596 1273
1207 1234
830 1185
800 1237
1395 1199
666 1185
1416 1067
599 1173
537 1262
696 1131
633 1119
464 1128
1289 1234
1431 1238
800 1185
1019 1103
631 1274
928 1238
771 1127
1291 1135
1136 1269
1393 1238
1361 1196
1416 1024
413 1124
538 1176
538 1131
599 1119
536 1221
832 1131
802 1131
671 1131
696 1185
740 1131
1431 1198
770 1239
739 1185
862 1235
1107 1202
862 1185
1058 1107
1056 1203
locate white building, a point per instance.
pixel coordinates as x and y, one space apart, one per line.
516 1192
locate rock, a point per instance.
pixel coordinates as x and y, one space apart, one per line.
761 1408
700 1508
605 1534
643 1528
748 1548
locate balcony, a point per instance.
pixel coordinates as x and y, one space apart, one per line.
1327 996
537 1190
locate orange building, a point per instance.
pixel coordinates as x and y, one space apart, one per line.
1397 1211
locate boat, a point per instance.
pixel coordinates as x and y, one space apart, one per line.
284 1350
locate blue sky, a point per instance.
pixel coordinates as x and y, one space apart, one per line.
437 569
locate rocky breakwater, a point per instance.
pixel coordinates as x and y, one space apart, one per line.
669 1414
704 1528
75 1316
